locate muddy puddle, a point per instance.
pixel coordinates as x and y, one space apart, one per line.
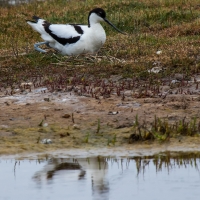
163 176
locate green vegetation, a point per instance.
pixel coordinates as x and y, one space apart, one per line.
98 126
162 131
170 26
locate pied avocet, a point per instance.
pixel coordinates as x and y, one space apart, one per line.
73 39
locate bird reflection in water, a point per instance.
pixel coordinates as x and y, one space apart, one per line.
95 167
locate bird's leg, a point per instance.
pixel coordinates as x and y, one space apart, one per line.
36 46
47 44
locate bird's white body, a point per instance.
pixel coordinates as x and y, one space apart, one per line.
90 41
71 39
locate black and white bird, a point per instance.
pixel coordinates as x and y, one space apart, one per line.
72 39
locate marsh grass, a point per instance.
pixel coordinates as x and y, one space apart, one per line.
98 126
162 130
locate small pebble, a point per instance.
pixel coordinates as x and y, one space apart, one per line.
76 126
45 125
46 141
113 112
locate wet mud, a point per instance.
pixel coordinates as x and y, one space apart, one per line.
68 121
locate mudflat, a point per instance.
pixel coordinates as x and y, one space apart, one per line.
70 121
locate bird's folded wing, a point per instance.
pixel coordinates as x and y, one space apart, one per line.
64 31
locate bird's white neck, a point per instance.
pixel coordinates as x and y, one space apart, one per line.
94 19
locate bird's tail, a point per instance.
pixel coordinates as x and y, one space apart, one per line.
37 24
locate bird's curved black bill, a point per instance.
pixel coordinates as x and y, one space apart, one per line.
113 26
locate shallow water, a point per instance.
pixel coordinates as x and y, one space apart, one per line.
153 178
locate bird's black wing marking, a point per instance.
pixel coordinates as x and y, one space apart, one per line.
77 28
61 40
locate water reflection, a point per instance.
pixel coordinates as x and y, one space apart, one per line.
95 167
98 167
165 175
168 160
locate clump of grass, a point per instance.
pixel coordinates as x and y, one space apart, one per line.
98 126
86 140
112 140
162 131
73 118
38 139
187 128
41 123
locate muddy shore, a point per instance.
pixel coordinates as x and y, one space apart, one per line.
70 121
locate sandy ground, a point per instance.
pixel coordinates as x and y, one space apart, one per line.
78 122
